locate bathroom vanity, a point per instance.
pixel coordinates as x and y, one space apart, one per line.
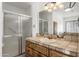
44 47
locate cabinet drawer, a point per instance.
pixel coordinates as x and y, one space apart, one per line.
41 49
54 53
37 54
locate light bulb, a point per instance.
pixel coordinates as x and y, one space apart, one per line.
61 6
46 8
55 8
49 10
52 5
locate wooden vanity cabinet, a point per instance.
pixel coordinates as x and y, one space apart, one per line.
36 50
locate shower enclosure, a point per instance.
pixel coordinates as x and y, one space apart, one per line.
16 29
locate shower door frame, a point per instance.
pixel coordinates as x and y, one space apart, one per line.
19 29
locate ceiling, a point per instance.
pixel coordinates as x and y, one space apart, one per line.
42 4
66 5
21 5
27 5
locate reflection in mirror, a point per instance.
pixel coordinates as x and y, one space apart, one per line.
43 23
55 28
43 26
71 25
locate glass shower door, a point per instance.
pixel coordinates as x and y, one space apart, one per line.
11 35
26 30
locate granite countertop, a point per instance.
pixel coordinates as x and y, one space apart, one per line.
67 47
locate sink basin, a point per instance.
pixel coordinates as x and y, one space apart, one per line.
44 40
47 41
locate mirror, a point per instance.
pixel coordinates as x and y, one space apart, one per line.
43 22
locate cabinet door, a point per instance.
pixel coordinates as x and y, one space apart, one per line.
28 51
35 50
41 49
54 53
35 53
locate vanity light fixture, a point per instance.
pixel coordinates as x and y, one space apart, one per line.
50 6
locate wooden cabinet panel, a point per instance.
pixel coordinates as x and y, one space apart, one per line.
54 53
29 44
28 51
33 46
35 53
41 55
41 49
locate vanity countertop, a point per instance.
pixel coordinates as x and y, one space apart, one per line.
67 47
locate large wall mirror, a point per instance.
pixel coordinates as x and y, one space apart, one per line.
43 22
72 24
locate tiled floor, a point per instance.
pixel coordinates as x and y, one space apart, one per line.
23 55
